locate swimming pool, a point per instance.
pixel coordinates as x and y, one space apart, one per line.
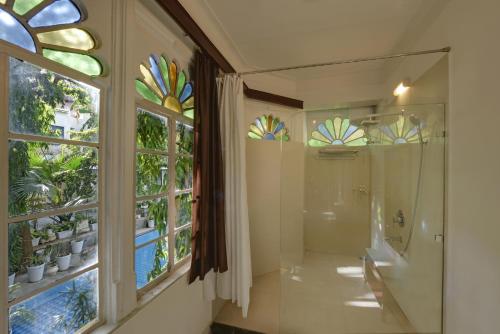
49 311
144 257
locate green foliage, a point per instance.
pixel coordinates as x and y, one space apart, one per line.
157 210
21 315
160 260
82 304
185 139
36 260
41 175
152 174
152 132
183 244
184 207
15 248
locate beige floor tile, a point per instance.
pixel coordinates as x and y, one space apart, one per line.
326 294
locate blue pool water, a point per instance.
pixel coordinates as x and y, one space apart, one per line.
39 314
50 311
144 257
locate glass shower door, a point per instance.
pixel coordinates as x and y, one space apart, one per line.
362 230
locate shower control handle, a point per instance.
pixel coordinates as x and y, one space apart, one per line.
438 237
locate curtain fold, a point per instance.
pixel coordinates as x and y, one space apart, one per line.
209 234
234 284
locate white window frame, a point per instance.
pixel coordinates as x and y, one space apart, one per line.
171 193
6 51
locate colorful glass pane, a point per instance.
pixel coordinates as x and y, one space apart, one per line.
83 63
337 132
49 14
268 128
146 92
21 7
12 31
400 132
164 85
58 12
74 38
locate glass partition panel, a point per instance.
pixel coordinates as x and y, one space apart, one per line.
362 207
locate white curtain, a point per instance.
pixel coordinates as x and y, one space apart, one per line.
234 284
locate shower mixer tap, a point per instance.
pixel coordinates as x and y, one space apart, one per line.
399 218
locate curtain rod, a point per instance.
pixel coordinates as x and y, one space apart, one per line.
349 61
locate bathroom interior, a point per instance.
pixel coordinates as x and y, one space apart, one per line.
347 216
366 134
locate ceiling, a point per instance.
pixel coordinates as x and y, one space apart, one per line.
276 33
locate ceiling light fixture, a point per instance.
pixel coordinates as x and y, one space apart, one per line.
402 88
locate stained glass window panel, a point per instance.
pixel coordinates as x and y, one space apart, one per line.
74 38
268 127
58 12
338 131
12 31
21 7
163 84
146 92
83 63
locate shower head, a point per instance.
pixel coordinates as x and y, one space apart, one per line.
415 120
370 122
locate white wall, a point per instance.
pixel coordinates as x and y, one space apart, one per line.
336 217
270 180
472 272
179 309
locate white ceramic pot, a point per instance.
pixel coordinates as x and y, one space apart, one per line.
12 278
64 234
151 223
52 270
35 274
35 241
93 227
63 262
77 246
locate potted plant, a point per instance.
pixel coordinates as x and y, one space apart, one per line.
76 245
35 237
64 230
36 268
63 257
151 223
93 224
51 235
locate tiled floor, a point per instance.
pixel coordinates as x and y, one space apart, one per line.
326 294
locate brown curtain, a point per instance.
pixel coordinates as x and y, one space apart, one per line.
208 241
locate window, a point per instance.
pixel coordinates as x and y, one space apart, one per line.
164 85
52 186
268 127
164 172
47 27
400 132
338 131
